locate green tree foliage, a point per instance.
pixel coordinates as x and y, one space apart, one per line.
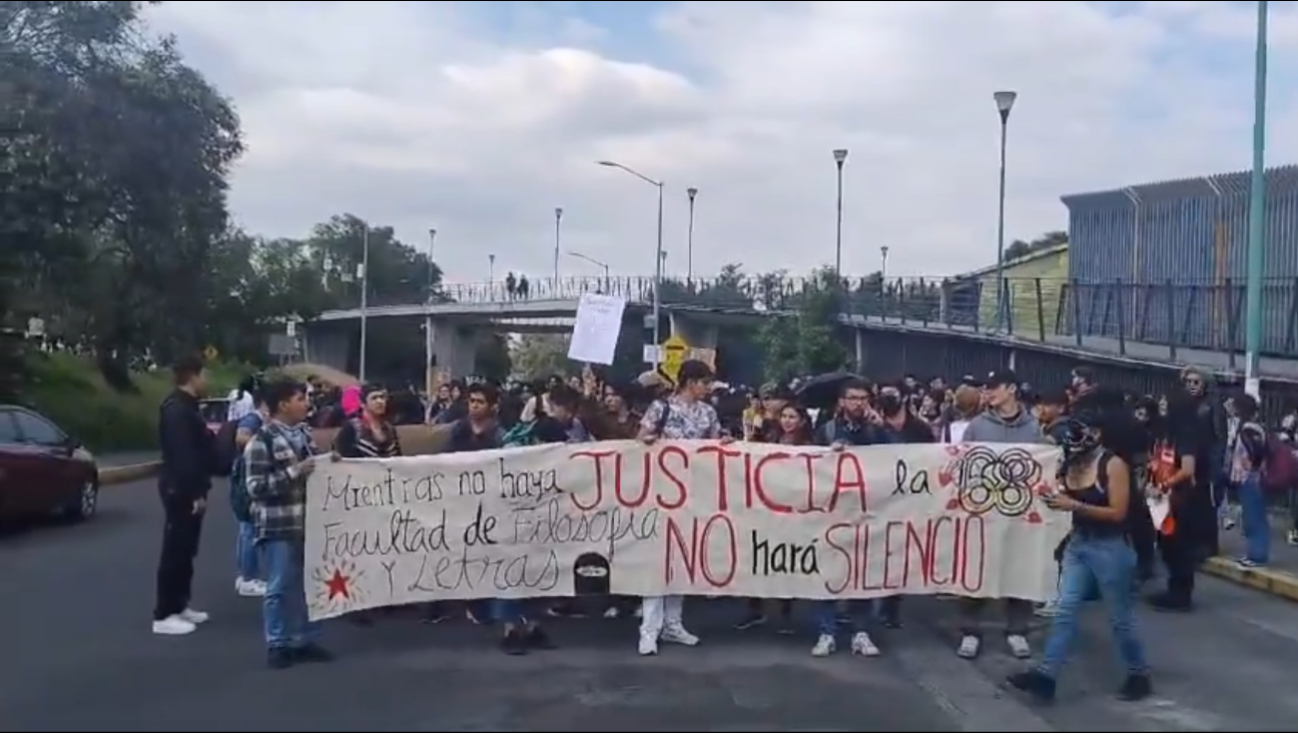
540 355
805 340
1019 248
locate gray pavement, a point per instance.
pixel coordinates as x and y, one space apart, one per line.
78 655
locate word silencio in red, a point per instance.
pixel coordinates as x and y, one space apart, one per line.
706 549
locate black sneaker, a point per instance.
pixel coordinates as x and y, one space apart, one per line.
1167 602
1035 683
751 621
513 643
1135 687
280 658
538 639
312 653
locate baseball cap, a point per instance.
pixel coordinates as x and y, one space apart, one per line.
1002 377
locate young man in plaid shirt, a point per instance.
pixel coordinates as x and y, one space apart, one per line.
277 461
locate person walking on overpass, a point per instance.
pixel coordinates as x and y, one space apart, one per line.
685 415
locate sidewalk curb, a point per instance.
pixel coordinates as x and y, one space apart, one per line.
110 476
1274 582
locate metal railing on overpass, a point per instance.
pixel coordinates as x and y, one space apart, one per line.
1154 321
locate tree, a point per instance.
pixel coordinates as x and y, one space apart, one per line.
1018 248
540 355
805 341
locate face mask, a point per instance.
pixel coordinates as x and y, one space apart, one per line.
890 404
1079 443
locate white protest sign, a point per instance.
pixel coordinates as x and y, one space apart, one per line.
689 517
595 331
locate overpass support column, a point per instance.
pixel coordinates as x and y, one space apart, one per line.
452 347
695 332
859 339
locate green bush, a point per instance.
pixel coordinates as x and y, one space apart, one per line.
71 392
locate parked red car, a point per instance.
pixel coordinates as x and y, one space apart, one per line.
43 471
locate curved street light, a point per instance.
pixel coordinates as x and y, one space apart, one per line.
658 254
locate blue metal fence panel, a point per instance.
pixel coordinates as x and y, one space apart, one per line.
1192 233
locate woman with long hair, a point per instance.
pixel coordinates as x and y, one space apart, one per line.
1095 487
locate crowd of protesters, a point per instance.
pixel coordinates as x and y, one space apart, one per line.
1186 457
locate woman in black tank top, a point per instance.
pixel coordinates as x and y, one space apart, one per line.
1095 487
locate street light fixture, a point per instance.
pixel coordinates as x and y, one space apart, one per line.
1256 215
558 218
594 262
658 255
840 157
689 247
1004 103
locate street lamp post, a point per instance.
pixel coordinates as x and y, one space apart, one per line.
558 218
658 255
689 246
1004 103
883 263
491 271
1256 215
595 262
432 243
364 277
840 157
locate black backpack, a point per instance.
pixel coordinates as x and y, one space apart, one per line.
227 449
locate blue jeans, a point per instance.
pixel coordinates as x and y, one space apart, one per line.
1111 563
860 612
511 611
245 551
284 610
1257 526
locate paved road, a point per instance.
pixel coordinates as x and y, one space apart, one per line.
78 656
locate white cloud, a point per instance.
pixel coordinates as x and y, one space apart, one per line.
479 118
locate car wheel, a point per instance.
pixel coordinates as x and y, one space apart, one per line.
86 503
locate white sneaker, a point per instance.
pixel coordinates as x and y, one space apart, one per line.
863 645
193 617
1019 646
648 645
969 647
1049 609
637 613
676 634
173 626
611 612
825 646
250 588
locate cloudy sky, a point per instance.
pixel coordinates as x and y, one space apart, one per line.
479 118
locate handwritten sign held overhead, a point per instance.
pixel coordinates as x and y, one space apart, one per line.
595 332
690 517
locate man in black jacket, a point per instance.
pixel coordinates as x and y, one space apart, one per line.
188 460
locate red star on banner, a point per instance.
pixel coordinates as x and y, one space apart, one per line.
338 585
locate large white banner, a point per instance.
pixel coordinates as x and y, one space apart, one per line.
688 517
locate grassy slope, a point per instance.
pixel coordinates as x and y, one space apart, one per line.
71 392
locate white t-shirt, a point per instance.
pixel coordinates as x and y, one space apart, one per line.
955 431
241 404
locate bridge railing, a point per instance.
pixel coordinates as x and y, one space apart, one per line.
1154 320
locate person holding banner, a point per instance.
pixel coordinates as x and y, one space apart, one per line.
855 423
277 461
1096 489
685 415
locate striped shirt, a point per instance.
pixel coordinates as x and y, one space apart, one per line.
274 481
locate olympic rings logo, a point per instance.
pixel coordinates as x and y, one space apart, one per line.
1004 481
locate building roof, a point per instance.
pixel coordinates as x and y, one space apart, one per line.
1017 261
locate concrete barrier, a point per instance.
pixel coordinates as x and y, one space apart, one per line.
416 440
1268 580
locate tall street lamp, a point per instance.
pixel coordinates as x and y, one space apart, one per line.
840 157
658 254
883 263
1004 103
558 218
364 277
432 243
594 262
428 318
1256 215
689 246
491 271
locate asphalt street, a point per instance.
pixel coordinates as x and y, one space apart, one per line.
78 655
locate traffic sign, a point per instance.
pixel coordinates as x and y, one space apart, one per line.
674 352
210 353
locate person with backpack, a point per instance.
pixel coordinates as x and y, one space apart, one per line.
1095 488
1247 457
248 581
686 415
